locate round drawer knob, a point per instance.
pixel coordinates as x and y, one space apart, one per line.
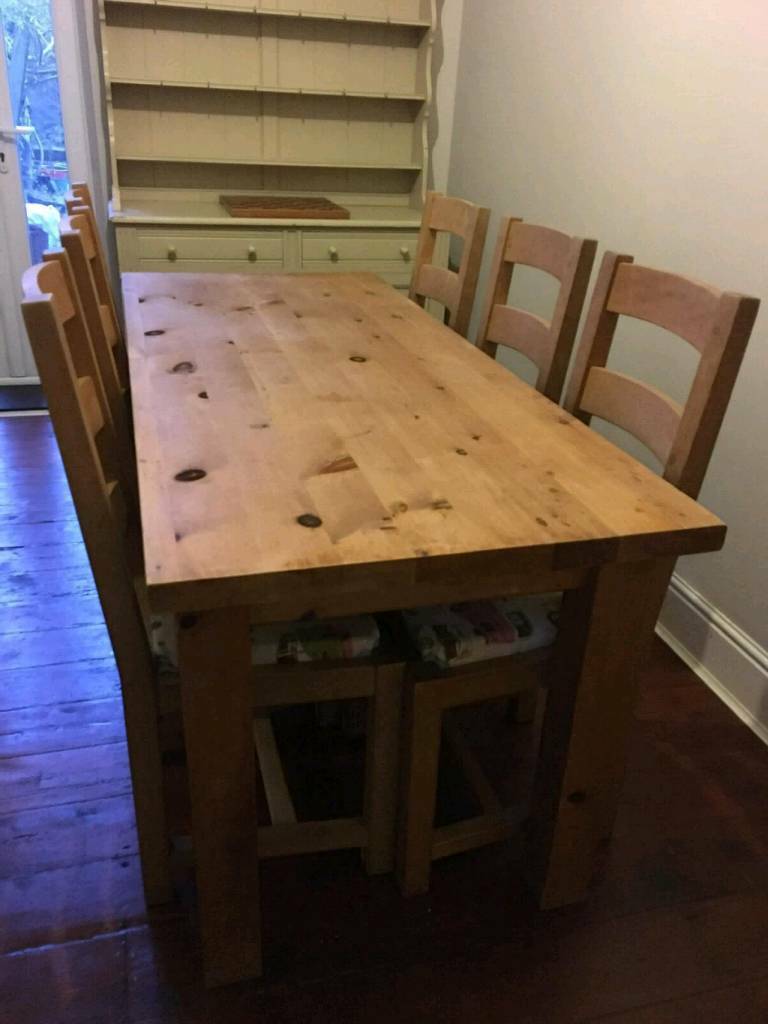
252 257
333 252
405 252
172 253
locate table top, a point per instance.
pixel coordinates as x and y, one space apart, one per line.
302 436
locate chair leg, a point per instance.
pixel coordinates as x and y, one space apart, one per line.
147 781
522 707
382 769
422 753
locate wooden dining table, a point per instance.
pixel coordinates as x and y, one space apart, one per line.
318 445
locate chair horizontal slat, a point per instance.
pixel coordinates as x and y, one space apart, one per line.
650 415
438 283
281 809
471 833
312 837
522 331
277 686
535 246
482 680
677 304
89 402
449 213
291 839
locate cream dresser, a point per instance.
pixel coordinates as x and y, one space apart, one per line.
303 98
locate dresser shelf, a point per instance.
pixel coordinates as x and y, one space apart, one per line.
208 99
271 89
234 162
422 24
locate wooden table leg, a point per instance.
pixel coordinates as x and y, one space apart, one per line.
382 769
215 665
421 757
605 631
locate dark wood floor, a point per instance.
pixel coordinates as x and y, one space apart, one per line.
676 934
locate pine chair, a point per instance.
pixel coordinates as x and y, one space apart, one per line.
80 418
718 325
88 451
80 242
547 343
80 198
79 202
454 290
90 321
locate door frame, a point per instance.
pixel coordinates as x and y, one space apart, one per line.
74 28
16 363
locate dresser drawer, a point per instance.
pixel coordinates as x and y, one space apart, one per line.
247 248
360 248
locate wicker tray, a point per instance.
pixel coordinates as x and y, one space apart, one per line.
307 207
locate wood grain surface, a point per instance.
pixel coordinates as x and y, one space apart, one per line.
349 444
309 207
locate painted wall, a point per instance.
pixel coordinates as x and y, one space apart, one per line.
445 63
642 123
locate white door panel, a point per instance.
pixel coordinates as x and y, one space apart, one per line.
15 357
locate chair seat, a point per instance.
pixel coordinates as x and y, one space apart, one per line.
278 643
473 631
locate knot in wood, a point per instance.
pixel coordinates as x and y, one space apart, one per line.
311 522
187 476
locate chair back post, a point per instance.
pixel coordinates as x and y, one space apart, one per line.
566 316
711 392
425 246
547 343
469 270
454 290
597 334
80 198
717 324
498 290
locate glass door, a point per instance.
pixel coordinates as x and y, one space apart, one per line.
33 165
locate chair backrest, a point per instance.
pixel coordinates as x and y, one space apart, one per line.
89 356
454 290
78 240
88 452
79 201
717 324
79 198
547 343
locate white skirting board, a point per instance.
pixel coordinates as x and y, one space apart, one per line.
721 654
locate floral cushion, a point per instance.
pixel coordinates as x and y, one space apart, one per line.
283 642
459 634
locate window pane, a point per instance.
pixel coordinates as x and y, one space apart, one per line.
36 106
